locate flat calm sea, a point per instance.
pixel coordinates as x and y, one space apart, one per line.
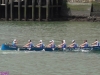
49 63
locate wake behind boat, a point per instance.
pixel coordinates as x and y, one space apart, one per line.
10 47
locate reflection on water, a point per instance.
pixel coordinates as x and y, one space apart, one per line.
49 63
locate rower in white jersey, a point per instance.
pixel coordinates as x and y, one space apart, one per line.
95 43
73 45
29 44
14 43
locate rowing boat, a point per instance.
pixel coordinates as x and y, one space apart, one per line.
10 47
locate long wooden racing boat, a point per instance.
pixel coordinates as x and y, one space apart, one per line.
10 47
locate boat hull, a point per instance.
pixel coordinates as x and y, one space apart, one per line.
10 47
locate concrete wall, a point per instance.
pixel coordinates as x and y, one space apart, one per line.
75 9
95 10
89 11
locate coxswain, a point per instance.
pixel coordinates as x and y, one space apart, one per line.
14 43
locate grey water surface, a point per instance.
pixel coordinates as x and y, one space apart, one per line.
49 63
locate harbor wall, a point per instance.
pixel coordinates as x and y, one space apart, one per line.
76 9
48 10
34 10
95 9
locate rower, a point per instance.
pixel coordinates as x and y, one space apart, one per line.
40 45
29 44
84 44
14 43
62 45
73 45
51 45
96 43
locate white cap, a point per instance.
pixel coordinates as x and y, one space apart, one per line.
40 41
52 40
29 40
64 41
73 40
15 40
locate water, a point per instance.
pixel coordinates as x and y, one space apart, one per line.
49 63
